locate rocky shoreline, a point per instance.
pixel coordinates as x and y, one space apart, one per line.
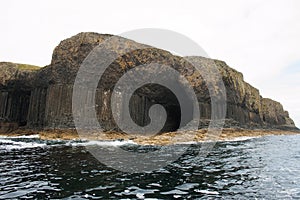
168 138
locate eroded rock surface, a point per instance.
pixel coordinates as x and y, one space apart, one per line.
16 83
43 98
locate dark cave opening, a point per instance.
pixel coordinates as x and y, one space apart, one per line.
173 118
157 94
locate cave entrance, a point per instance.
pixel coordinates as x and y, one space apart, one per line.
158 94
173 118
14 110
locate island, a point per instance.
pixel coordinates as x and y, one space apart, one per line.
38 100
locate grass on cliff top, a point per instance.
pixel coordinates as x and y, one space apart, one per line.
28 67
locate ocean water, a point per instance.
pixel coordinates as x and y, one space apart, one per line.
248 168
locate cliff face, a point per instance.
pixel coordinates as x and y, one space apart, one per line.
247 106
43 98
16 83
15 88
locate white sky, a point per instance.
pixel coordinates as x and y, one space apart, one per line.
260 38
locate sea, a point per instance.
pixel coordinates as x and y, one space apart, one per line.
244 168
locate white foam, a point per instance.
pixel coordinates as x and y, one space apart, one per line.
207 192
187 143
10 144
242 138
102 143
22 136
175 191
140 196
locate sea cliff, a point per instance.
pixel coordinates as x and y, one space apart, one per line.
41 98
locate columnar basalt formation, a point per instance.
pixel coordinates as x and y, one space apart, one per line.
43 98
15 90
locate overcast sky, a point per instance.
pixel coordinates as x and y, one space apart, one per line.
260 38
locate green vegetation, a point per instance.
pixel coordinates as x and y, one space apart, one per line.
28 67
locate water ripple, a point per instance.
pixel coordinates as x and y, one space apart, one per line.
249 169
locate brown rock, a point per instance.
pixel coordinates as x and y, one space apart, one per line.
43 98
